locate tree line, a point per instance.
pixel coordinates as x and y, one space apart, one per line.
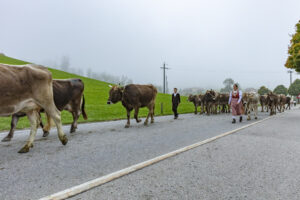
293 90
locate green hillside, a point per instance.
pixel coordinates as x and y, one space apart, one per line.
96 95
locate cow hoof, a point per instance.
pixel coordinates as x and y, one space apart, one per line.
145 123
6 139
255 118
64 140
248 119
127 126
138 121
72 130
25 149
46 133
152 121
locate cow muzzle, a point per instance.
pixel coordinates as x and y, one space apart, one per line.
109 102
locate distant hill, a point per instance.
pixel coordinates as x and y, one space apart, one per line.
96 95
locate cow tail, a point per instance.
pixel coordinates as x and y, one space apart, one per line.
82 108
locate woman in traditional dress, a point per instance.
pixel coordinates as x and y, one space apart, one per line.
235 101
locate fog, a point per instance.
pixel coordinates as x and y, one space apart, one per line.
203 42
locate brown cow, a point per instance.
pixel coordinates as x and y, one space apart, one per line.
288 102
68 95
250 103
201 99
281 102
134 97
195 100
272 100
222 101
209 101
263 102
27 88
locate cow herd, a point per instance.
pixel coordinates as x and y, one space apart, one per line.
28 90
213 102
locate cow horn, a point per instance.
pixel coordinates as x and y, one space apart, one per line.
110 86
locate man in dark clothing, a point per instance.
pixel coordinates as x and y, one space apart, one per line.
175 102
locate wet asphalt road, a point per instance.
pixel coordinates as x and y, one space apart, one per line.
98 149
260 162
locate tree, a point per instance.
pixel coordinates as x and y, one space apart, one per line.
228 85
293 60
281 89
263 90
294 89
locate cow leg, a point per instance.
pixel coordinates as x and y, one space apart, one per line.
136 113
147 118
47 128
55 115
128 118
207 109
152 113
279 108
249 112
34 124
195 109
74 124
45 134
202 109
41 122
13 124
255 111
262 107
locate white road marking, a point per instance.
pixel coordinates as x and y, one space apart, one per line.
115 175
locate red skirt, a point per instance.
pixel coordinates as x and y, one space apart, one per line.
236 107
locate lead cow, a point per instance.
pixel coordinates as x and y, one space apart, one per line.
134 97
68 95
27 89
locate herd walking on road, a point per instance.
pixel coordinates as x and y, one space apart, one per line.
28 90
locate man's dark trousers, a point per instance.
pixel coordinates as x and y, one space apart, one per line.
175 103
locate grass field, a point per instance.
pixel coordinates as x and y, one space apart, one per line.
96 94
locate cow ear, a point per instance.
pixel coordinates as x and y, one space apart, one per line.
110 86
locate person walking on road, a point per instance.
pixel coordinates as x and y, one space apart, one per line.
175 102
235 101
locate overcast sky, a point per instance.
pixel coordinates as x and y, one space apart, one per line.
202 41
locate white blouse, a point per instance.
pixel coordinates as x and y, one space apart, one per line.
240 96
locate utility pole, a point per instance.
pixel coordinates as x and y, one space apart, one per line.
164 77
291 72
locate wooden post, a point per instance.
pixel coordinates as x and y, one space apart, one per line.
162 108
